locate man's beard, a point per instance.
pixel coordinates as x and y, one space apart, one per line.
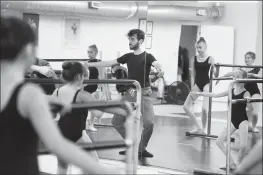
135 47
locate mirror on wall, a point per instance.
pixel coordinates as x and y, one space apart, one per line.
174 47
221 49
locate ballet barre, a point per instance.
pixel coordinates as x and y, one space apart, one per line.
91 146
247 100
91 81
137 116
223 78
232 65
62 60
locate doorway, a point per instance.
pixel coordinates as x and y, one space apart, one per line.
186 52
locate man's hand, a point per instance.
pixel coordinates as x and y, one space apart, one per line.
151 76
160 74
47 71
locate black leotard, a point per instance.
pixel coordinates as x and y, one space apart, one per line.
239 113
94 74
252 88
73 123
201 73
19 142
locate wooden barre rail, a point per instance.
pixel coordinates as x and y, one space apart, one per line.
91 146
232 65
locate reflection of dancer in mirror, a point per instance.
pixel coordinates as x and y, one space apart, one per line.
239 119
254 73
201 64
97 91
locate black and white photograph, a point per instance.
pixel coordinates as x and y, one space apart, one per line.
131 87
149 28
72 31
32 20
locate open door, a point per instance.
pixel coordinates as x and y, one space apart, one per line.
220 45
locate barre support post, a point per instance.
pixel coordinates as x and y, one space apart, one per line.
137 126
229 103
210 101
129 125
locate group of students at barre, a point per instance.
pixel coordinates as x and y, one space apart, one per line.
244 116
26 115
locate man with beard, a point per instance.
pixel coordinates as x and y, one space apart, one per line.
139 64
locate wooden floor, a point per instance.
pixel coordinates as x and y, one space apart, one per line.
171 148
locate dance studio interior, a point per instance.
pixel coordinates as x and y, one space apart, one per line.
174 67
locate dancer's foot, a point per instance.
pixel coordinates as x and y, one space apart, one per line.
91 128
145 154
233 166
254 130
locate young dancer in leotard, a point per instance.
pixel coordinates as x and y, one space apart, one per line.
73 124
201 64
239 119
253 109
